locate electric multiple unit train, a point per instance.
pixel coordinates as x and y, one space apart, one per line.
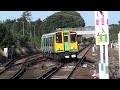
61 44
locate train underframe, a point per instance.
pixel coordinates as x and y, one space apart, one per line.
61 55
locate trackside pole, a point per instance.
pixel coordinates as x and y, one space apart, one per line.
106 61
6 52
93 49
101 63
111 45
106 48
102 39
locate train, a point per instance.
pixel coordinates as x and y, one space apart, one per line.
60 44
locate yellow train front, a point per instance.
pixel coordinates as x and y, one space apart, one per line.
61 44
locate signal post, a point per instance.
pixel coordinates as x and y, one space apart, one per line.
102 39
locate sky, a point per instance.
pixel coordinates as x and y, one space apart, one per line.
88 16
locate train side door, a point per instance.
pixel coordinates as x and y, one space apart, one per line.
66 42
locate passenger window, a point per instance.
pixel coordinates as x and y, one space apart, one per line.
51 41
58 37
65 38
48 41
45 41
72 36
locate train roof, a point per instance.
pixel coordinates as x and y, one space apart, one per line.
49 34
62 29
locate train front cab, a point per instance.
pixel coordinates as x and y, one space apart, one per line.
73 45
66 45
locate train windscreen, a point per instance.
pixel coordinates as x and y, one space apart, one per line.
73 36
59 37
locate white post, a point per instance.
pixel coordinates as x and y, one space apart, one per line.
93 49
101 28
119 51
6 52
101 64
111 45
106 61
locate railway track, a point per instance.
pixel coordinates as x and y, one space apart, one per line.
14 63
22 70
19 61
64 70
17 68
114 68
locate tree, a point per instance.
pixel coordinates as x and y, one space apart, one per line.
119 22
23 25
2 33
63 19
6 37
26 15
84 40
38 23
91 39
114 30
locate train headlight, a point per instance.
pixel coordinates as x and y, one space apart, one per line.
73 48
73 56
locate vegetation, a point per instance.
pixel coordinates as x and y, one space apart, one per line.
23 32
113 31
63 19
19 32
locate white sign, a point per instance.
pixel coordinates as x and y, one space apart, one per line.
101 27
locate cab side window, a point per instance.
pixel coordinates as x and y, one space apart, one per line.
73 36
58 37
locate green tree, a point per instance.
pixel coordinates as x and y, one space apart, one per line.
38 23
38 33
63 19
6 37
91 39
114 30
119 22
84 40
2 33
26 15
